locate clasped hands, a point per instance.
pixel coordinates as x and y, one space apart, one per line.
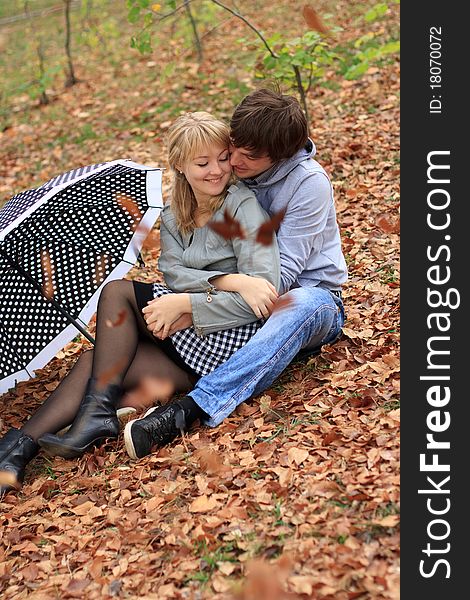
172 312
168 314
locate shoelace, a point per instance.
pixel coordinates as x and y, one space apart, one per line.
166 427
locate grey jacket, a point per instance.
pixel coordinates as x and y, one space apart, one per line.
308 237
189 262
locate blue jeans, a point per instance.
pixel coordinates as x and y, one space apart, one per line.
314 317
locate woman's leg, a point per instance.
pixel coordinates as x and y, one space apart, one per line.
60 409
124 353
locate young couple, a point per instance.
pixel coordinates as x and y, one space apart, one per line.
211 330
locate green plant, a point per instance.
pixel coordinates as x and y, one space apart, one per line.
299 62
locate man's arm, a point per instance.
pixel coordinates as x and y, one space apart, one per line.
300 232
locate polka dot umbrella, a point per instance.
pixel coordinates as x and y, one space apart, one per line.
59 244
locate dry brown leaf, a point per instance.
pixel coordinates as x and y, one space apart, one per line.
130 205
48 288
150 390
388 521
313 20
229 228
388 224
104 378
297 455
122 316
266 231
203 504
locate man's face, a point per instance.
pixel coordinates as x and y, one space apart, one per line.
246 164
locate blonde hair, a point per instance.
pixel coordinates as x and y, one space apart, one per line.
189 134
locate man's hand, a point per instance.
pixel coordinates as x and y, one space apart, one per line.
181 323
161 313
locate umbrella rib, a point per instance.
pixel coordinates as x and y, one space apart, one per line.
36 285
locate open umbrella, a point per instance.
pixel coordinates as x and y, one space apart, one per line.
59 244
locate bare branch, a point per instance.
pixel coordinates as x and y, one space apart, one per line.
250 25
194 28
300 87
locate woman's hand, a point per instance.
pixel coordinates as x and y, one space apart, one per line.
258 293
161 313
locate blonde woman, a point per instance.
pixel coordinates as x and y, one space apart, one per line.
224 287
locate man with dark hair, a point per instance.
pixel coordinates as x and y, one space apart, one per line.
272 154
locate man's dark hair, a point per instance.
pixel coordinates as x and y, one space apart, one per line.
268 122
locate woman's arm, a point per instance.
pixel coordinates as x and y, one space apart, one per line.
254 261
252 294
178 277
259 293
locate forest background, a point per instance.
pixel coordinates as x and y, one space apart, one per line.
295 495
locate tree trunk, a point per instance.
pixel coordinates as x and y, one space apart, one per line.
71 79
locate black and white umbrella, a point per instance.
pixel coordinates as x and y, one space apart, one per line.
59 244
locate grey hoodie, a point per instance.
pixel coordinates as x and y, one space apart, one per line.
308 237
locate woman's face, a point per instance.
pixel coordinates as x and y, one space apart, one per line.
208 172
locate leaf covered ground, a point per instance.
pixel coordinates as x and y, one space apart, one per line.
296 494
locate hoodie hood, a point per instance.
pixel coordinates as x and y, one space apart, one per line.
282 168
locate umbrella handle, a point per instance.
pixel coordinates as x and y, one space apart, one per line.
36 285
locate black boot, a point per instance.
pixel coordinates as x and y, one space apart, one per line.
16 450
96 420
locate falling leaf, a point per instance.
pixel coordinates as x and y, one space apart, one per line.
266 230
313 20
229 228
122 316
262 581
302 584
101 269
47 275
282 302
105 377
152 241
130 205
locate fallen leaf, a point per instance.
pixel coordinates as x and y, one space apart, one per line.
388 521
387 224
297 455
202 504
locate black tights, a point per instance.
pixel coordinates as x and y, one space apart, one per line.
123 354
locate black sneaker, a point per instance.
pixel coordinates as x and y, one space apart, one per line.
159 426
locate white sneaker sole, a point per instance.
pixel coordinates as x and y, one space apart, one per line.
128 434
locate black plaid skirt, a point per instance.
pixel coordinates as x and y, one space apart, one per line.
204 354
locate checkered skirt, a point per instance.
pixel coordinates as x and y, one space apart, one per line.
204 354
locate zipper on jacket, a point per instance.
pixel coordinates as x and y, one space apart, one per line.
209 293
